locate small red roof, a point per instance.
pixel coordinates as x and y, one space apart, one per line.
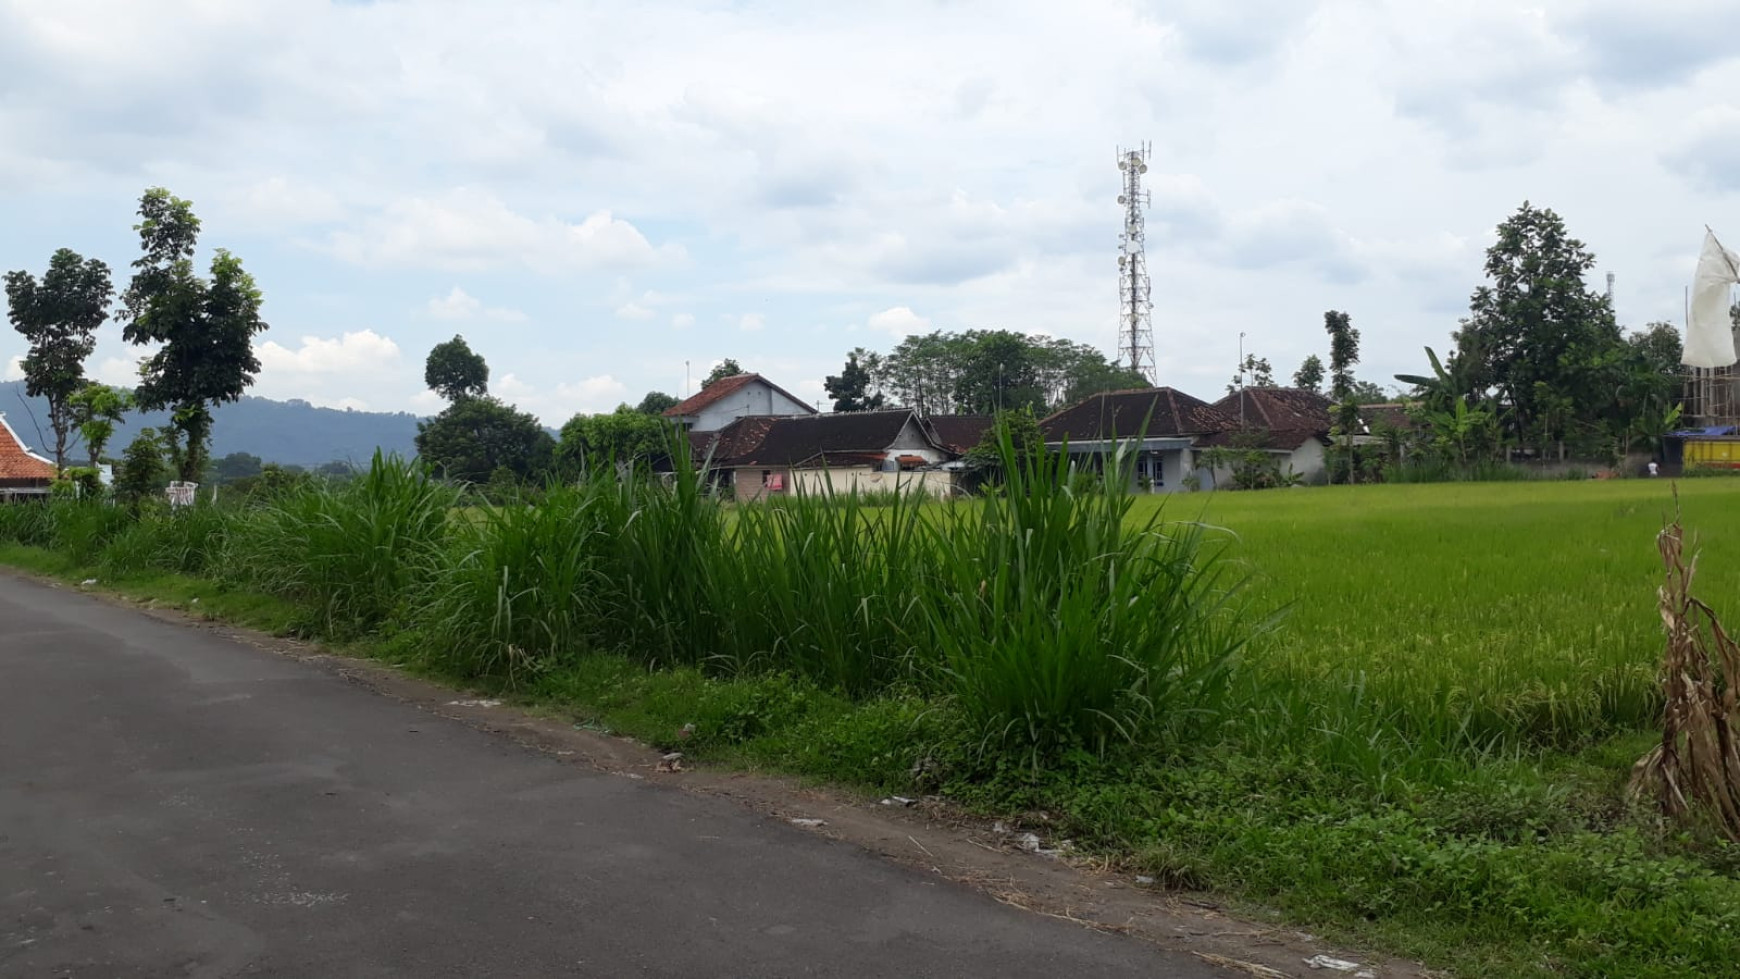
723 387
19 464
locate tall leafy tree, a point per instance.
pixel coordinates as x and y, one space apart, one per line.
623 436
1309 376
1343 356
1549 345
1254 372
655 403
142 471
851 388
725 368
475 436
205 326
96 410
455 372
58 317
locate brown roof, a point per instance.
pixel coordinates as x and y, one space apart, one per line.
794 439
1286 417
1166 413
722 387
1391 415
958 433
18 465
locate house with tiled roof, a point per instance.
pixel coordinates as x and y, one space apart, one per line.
730 398
759 455
1290 424
1164 429
23 473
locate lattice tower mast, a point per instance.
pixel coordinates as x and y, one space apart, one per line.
1135 321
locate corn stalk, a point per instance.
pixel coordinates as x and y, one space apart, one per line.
1696 767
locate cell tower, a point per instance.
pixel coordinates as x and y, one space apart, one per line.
1135 320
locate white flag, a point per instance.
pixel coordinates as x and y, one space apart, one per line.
1709 330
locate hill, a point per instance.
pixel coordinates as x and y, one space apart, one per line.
290 432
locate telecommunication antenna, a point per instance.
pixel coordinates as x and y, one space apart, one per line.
1135 319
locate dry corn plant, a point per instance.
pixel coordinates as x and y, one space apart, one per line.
1695 771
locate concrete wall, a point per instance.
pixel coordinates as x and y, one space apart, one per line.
755 398
862 479
748 484
1308 460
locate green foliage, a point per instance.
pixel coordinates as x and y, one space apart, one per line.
1254 372
625 436
474 436
983 371
725 368
1247 464
851 388
143 471
58 318
1309 376
203 327
236 465
1019 428
356 551
1343 355
96 410
656 403
455 372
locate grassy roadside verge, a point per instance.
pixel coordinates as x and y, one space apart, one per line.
1518 868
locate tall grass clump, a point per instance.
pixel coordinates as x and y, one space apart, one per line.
518 590
358 552
1055 622
183 540
30 524
820 583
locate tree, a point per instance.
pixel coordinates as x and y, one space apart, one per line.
205 327
455 372
1310 374
475 435
1261 374
1020 428
59 317
1343 355
623 436
96 410
142 472
655 403
1549 345
236 465
850 389
1096 375
725 368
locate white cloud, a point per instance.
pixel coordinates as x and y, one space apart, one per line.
751 322
281 201
14 369
460 305
634 311
467 230
555 405
683 321
898 321
117 371
364 351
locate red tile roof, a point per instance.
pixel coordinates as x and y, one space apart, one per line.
958 433
19 465
796 440
723 387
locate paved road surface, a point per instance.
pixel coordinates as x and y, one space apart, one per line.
176 804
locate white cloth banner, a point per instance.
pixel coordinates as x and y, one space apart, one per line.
1709 330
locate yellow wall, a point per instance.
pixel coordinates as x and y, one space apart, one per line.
1712 452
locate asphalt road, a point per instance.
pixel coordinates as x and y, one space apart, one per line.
173 803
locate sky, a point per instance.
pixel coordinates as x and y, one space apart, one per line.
608 198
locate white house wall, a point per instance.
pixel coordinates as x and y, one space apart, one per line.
1309 460
752 399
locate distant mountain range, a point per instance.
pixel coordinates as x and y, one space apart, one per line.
287 432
